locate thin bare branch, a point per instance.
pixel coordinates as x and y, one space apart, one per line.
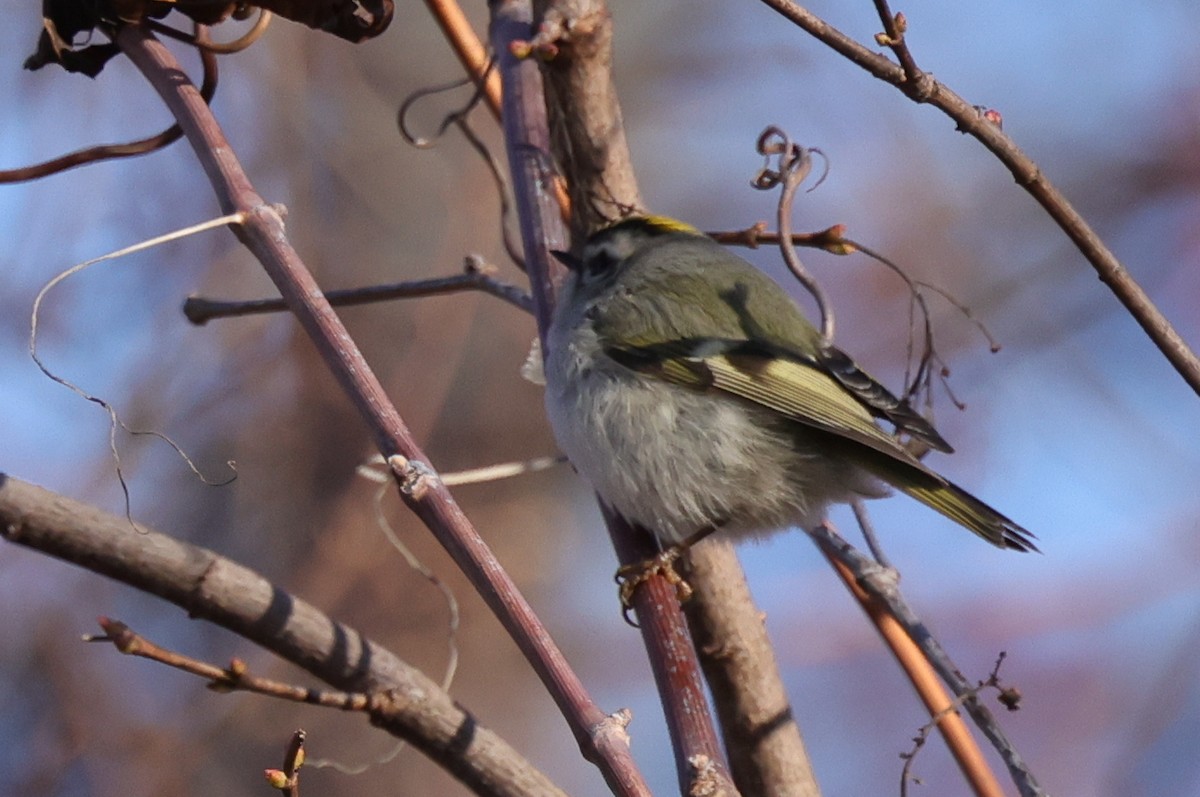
831 239
475 60
234 678
200 310
1008 696
868 531
916 649
966 753
469 49
1025 171
894 28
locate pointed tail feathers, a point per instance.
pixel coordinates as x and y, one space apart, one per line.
952 501
971 513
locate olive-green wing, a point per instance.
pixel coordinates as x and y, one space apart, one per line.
795 388
746 314
800 390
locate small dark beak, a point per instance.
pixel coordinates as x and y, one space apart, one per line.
567 259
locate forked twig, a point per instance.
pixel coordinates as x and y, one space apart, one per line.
1009 696
287 780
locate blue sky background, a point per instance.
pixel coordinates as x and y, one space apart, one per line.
1078 428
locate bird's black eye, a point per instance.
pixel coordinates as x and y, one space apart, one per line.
595 262
599 262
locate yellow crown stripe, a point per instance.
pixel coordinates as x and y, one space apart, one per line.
655 225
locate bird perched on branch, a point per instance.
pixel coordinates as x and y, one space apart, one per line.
691 392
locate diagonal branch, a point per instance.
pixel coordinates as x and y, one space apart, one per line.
903 630
263 233
1027 174
469 49
528 117
526 138
210 587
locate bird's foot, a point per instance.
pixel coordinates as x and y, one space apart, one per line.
630 577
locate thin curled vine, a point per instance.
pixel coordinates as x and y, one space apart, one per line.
459 118
793 164
131 149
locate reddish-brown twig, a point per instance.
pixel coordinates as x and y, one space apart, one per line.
527 141
263 233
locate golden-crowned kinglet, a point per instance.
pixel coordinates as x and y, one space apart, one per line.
689 389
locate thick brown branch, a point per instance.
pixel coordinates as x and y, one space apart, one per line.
210 587
591 148
585 116
671 652
542 230
589 144
766 752
530 161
